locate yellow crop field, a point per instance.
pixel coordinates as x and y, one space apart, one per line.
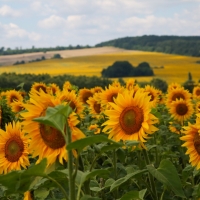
171 68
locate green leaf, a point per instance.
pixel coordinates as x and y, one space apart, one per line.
56 117
120 181
20 181
131 143
88 197
110 147
41 193
82 143
97 172
28 176
167 174
134 195
121 155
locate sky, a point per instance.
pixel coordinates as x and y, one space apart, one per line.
51 23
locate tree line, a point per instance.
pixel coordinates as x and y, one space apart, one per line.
9 51
12 80
182 45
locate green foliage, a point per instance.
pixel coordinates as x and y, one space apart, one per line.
167 174
189 84
57 56
10 51
6 114
159 84
183 45
125 69
11 80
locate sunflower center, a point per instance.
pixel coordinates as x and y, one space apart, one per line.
97 107
52 137
13 98
112 97
14 148
198 92
41 87
151 95
72 105
178 96
86 96
197 142
131 119
181 109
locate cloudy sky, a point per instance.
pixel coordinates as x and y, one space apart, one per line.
50 23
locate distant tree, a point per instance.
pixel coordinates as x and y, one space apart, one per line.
159 84
189 84
118 69
144 69
125 69
57 56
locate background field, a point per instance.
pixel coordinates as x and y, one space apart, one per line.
89 62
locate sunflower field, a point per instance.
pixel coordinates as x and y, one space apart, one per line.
121 142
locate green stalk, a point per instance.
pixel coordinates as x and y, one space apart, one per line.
151 179
156 150
115 169
72 195
59 185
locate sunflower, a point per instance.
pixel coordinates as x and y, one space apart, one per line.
53 89
161 97
173 86
196 92
38 87
130 84
191 140
0 115
96 89
67 86
175 127
116 84
71 98
12 96
17 106
130 118
84 95
153 93
13 148
46 141
181 110
95 128
109 94
197 107
28 196
178 93
94 104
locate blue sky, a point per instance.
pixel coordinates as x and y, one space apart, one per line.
50 23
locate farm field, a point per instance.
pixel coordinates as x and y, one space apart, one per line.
171 68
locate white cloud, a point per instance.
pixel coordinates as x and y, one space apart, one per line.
36 5
7 11
12 31
52 22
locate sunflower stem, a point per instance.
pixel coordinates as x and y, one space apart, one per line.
115 169
59 185
156 151
151 179
72 195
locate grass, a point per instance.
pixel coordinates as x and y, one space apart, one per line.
175 67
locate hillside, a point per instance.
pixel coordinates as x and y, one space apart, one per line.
182 45
11 59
